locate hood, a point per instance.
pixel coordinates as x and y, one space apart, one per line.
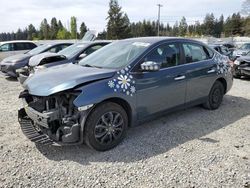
240 52
244 58
63 77
16 58
36 59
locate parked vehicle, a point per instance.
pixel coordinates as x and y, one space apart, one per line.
11 48
222 50
242 51
121 85
242 66
9 65
71 54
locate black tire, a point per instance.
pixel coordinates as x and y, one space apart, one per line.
236 73
215 96
106 126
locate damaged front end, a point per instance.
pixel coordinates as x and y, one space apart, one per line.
51 120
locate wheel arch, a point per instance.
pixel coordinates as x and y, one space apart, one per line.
224 83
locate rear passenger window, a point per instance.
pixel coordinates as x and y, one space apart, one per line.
20 46
30 46
168 55
194 53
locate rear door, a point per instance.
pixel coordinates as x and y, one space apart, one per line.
200 71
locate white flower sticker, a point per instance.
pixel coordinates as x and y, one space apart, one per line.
124 82
111 84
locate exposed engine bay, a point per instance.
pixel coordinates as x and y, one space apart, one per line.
55 115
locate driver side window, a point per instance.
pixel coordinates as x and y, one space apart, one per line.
167 55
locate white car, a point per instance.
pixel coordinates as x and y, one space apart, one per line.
10 48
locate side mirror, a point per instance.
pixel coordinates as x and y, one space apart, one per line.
82 56
150 66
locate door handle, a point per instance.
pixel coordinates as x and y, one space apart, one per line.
179 78
210 71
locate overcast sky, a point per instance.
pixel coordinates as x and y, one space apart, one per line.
16 14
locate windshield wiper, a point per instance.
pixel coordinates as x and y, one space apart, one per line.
87 65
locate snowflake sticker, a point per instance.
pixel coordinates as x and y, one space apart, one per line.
124 82
111 84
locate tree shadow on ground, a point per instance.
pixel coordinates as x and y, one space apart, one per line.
158 136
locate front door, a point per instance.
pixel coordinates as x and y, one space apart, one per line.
163 89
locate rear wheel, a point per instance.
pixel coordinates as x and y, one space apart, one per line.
215 96
106 126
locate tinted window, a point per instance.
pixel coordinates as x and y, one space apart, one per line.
167 55
6 47
91 49
30 46
195 53
58 48
20 46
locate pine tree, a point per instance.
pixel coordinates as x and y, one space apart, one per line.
118 26
53 28
83 29
73 27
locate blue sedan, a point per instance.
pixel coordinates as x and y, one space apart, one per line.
121 85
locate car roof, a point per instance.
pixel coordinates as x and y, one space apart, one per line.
153 40
16 41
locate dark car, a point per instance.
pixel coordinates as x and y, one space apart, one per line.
71 54
121 85
9 65
242 66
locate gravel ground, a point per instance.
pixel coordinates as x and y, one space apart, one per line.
189 148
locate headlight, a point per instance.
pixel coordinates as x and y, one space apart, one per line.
237 62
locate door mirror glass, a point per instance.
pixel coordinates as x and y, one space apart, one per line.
150 66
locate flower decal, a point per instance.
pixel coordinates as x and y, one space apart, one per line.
111 84
124 82
222 63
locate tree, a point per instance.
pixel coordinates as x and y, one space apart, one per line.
53 28
183 26
73 27
209 25
246 8
44 30
83 29
118 26
63 34
31 32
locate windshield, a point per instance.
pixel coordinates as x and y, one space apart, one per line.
72 50
115 55
245 47
39 49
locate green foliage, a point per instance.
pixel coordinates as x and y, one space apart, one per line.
63 34
73 27
118 26
83 30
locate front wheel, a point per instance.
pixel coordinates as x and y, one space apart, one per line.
106 126
215 96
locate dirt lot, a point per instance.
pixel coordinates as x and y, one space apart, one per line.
189 148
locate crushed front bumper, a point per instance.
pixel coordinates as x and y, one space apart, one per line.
32 132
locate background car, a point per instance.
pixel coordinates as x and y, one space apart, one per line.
71 54
11 48
242 66
9 65
222 50
123 84
242 51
